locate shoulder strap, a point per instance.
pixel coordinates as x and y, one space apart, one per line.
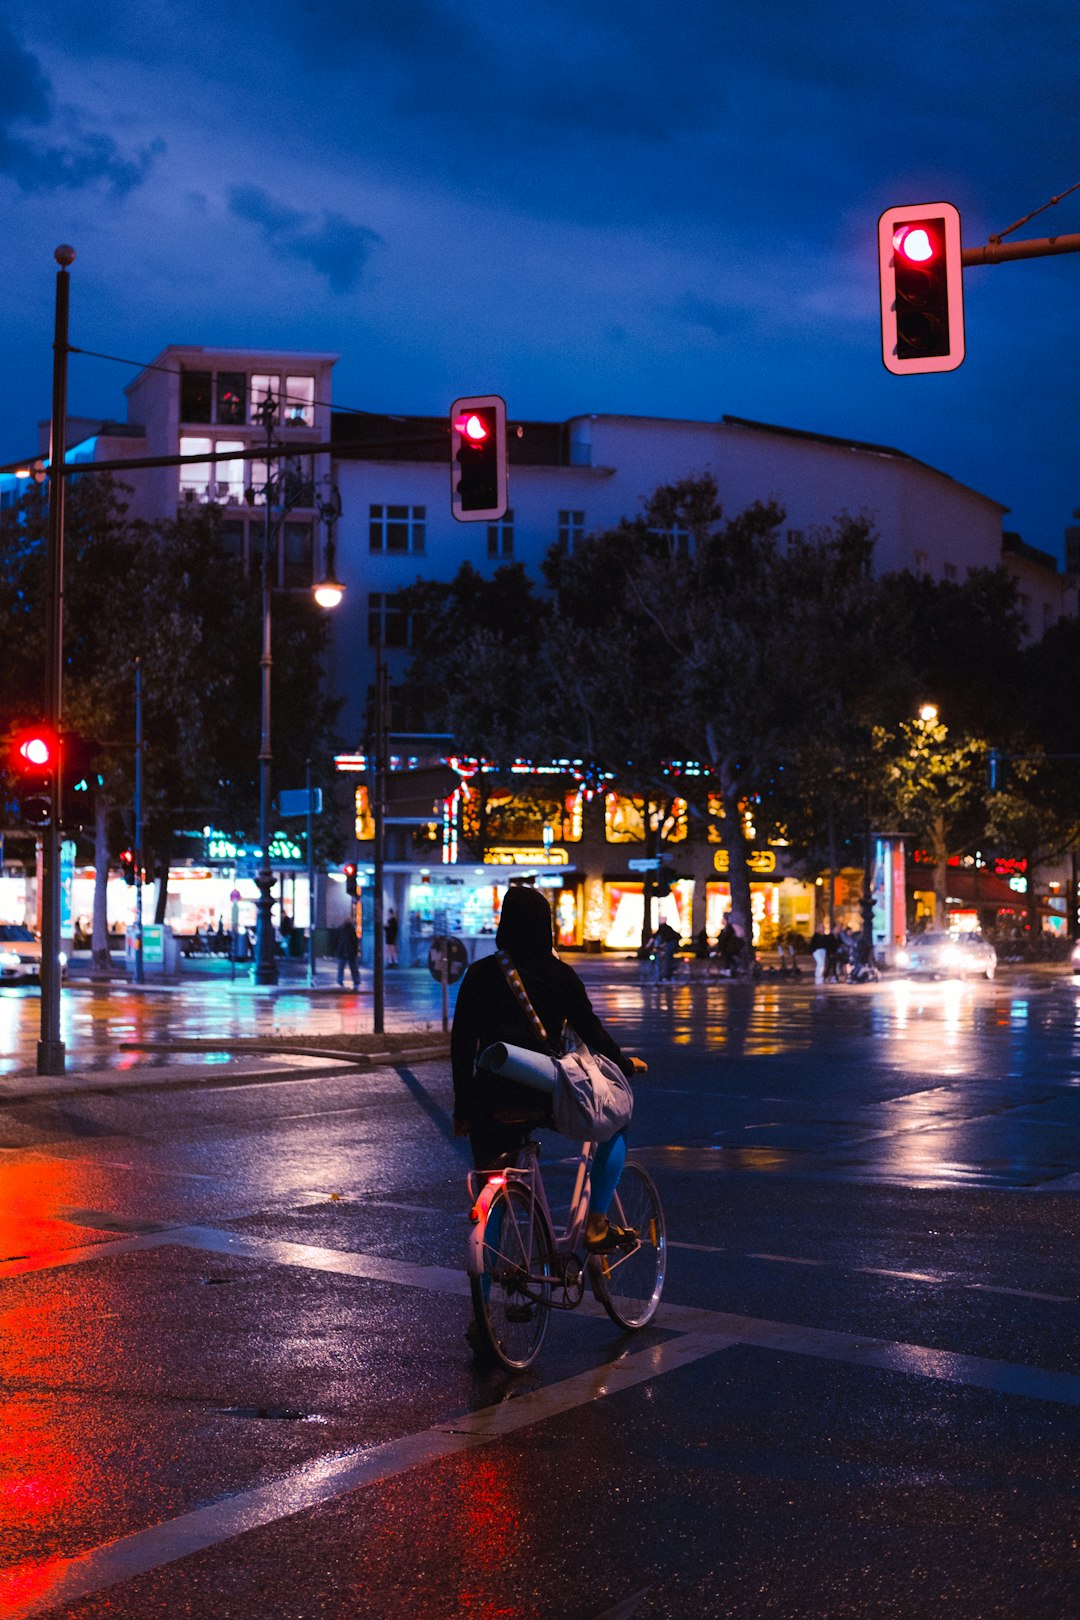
513 979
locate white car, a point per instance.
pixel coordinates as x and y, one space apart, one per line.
948 956
20 953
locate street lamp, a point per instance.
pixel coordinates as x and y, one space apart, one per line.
328 593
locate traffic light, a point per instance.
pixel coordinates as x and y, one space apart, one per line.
665 877
33 760
350 881
80 781
127 865
922 288
478 458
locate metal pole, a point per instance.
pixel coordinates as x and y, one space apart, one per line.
139 974
51 1056
378 978
265 962
310 886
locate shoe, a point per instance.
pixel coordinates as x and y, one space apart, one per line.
609 1237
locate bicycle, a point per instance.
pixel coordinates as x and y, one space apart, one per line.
521 1267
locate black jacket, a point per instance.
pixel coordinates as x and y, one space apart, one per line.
487 1011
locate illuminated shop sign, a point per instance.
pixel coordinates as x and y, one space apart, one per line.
759 861
516 856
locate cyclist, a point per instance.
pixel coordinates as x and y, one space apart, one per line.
497 1114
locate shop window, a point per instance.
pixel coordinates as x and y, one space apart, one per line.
398 530
715 808
365 821
196 395
265 388
297 568
624 820
500 536
387 620
571 529
231 396
298 405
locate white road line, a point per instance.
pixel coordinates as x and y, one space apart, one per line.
66 1581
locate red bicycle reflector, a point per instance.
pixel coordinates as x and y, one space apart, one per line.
914 244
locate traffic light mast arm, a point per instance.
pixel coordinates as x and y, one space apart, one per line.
1036 247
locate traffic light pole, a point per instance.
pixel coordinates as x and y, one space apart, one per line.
378 960
265 971
51 1056
1036 247
139 965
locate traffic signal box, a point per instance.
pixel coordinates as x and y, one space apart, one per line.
922 288
32 760
350 880
478 458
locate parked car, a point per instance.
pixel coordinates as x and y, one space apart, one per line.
20 953
948 956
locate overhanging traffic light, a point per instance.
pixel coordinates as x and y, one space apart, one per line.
922 288
33 760
127 865
478 458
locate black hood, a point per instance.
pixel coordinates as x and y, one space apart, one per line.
524 931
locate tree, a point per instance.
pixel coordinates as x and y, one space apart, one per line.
168 594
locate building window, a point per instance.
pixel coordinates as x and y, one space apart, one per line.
265 387
398 529
196 394
297 568
949 570
231 398
571 529
195 479
228 476
500 536
298 405
387 620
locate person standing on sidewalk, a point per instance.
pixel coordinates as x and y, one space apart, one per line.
346 953
390 931
819 950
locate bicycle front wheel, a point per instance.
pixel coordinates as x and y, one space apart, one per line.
512 1299
628 1283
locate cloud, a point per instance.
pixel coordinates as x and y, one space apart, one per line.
336 248
67 156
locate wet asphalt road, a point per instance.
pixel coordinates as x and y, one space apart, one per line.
231 1313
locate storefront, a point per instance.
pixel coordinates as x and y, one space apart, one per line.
467 900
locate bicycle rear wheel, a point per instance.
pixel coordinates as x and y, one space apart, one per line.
512 1300
628 1283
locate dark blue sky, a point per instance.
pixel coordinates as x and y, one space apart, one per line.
608 206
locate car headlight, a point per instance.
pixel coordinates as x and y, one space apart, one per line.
62 958
952 955
902 958
10 959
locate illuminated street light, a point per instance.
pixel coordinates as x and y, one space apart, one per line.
928 713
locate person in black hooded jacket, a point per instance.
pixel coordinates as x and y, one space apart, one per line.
498 1114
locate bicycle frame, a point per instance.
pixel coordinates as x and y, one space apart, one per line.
485 1185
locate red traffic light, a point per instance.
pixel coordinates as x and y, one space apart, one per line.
478 458
473 427
922 291
34 751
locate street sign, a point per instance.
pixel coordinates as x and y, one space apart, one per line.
445 947
645 863
300 802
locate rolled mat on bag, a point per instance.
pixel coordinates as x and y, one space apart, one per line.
518 1063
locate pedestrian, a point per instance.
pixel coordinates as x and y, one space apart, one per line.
390 931
345 950
832 955
665 941
819 950
496 1114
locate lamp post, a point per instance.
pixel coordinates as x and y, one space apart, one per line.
328 593
51 1054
